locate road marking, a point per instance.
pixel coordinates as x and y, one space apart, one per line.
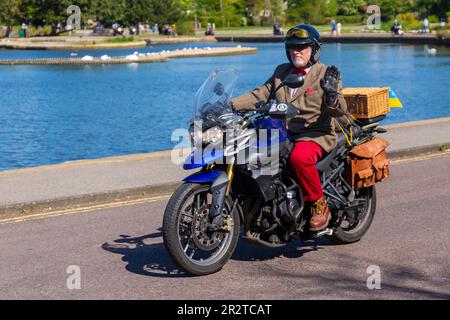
82 210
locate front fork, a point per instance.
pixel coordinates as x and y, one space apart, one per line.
220 189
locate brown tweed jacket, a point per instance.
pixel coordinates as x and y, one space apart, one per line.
315 120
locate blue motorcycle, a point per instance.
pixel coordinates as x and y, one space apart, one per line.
244 182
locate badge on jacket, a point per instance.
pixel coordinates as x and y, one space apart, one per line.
309 90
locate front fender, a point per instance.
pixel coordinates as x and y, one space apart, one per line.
219 192
218 180
203 177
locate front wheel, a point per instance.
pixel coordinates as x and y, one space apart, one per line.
356 223
192 245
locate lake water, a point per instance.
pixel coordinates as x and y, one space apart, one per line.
53 114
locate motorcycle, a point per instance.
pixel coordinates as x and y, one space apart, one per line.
244 181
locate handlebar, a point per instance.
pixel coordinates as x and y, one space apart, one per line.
263 108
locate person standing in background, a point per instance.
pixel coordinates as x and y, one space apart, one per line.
333 27
426 24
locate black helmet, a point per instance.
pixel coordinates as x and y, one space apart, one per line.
303 34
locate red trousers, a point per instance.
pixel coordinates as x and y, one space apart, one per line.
304 158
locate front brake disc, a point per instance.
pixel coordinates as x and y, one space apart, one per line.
203 238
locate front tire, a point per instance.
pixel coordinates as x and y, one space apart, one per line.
193 248
347 233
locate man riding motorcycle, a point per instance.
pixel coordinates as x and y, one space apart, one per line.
319 99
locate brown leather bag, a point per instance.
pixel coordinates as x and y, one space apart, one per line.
368 163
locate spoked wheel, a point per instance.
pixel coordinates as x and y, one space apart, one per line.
356 222
193 246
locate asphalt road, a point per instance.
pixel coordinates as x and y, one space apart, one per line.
120 254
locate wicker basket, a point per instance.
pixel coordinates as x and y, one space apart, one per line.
366 103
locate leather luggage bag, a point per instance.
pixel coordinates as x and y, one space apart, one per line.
368 163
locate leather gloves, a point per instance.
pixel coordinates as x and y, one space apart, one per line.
330 85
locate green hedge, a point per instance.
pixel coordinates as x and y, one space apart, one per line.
350 19
230 20
434 19
185 28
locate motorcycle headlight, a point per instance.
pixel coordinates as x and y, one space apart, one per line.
212 135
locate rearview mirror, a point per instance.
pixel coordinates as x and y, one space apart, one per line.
294 81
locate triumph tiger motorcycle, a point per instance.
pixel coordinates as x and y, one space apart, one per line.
237 187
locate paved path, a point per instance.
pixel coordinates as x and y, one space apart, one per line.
121 255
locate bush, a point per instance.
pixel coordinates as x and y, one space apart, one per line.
255 21
406 18
408 21
233 21
185 28
216 17
319 21
122 39
350 19
433 19
386 26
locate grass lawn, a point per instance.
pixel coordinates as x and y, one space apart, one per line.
121 40
324 29
255 30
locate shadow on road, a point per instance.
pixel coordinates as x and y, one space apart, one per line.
248 252
345 273
338 272
144 256
147 257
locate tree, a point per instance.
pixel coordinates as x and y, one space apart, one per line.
10 13
188 4
166 11
255 8
330 8
307 11
137 11
391 8
350 7
107 11
277 7
50 12
432 7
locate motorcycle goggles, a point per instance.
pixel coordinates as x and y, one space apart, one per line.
299 33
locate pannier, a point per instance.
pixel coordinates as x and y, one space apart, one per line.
368 163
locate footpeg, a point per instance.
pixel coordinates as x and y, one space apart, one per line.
326 232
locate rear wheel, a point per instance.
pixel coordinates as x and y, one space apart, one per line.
356 222
191 244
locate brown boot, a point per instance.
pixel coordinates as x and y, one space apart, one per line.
320 215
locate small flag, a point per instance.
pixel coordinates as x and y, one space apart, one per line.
394 102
